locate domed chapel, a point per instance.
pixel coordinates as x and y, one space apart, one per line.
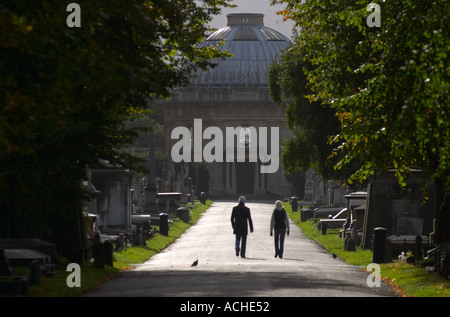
232 97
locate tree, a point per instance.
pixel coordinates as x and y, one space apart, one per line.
388 86
311 122
66 94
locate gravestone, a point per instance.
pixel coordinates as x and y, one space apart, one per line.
409 226
114 204
38 245
35 274
98 252
392 207
108 252
5 269
183 214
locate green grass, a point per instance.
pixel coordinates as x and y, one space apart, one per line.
56 286
331 242
406 279
410 280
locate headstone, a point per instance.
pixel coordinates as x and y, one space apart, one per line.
140 236
35 273
121 241
324 228
114 204
349 244
388 202
164 224
306 213
418 254
379 245
203 197
294 204
108 251
39 245
183 214
98 252
409 226
354 226
5 269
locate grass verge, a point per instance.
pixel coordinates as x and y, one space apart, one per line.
56 286
405 279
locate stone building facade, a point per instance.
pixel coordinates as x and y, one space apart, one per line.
234 94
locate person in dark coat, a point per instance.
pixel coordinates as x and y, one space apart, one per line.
240 220
279 222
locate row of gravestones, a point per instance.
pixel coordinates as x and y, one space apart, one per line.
13 283
22 261
40 257
10 282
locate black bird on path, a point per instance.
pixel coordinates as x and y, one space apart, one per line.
195 263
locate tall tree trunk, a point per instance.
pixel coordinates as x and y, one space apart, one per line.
11 208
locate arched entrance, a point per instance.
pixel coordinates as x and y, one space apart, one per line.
245 178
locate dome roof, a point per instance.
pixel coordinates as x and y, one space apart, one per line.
254 47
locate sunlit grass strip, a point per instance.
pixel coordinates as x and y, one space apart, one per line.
56 286
405 279
415 281
331 242
134 255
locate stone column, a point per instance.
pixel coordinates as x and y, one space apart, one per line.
227 177
233 178
151 189
258 190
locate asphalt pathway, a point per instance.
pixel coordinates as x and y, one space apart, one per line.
305 270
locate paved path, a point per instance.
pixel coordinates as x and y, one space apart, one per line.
305 270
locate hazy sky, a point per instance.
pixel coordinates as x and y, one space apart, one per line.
271 19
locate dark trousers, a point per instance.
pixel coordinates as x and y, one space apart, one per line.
279 241
242 242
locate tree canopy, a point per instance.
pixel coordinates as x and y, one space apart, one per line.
388 85
66 93
311 122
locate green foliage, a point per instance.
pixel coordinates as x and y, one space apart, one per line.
311 122
67 95
388 86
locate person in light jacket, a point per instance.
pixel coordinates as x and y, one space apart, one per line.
240 220
279 222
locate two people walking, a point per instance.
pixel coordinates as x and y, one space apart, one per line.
241 219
